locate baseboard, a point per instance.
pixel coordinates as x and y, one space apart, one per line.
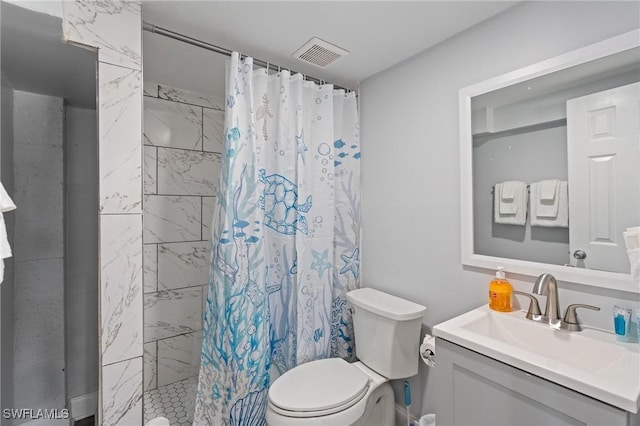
83 406
401 416
47 422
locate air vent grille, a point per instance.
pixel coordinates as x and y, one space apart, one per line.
320 53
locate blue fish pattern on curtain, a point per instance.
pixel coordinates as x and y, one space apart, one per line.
285 239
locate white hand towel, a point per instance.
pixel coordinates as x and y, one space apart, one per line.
507 191
6 204
515 211
548 189
561 220
634 260
547 198
632 239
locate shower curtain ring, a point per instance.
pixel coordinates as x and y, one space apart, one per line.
267 68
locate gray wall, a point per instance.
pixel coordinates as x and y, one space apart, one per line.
81 245
410 169
6 297
38 252
528 157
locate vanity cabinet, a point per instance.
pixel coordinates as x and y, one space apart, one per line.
473 389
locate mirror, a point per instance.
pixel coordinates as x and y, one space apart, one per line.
550 121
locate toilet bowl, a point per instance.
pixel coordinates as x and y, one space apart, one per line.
333 392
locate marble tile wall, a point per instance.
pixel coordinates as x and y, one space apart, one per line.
120 150
114 28
121 320
182 146
122 393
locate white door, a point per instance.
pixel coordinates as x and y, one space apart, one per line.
603 142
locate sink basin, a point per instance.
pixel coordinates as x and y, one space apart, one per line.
574 349
592 362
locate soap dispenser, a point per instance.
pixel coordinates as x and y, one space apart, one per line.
500 292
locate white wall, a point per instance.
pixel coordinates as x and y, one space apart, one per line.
81 245
410 172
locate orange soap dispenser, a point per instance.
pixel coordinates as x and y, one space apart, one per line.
500 292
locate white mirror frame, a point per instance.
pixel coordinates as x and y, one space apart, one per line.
603 279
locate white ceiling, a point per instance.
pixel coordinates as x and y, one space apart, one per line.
378 34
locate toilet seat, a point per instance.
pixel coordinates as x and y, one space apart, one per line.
318 388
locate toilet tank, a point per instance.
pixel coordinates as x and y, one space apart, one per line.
387 331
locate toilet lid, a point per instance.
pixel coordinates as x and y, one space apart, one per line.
319 386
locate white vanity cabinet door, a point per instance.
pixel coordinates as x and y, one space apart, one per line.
473 389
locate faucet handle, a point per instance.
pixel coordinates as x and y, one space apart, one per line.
534 307
570 320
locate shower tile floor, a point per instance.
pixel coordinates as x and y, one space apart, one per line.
174 401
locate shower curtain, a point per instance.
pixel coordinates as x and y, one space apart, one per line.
285 239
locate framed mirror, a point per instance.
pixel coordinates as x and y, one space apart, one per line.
545 126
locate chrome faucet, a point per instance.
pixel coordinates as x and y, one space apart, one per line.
546 284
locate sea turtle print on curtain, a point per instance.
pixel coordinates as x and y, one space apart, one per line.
285 239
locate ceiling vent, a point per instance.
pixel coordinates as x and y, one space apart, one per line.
320 53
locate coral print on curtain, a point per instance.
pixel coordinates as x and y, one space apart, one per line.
286 237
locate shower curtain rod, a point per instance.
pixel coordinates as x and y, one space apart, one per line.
152 28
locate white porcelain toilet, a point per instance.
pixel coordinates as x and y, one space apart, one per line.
333 392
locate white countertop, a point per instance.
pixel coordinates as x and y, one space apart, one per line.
591 362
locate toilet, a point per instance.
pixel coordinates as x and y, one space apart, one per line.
333 392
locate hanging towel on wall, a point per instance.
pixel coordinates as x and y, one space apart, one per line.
510 203
6 205
544 212
507 197
548 195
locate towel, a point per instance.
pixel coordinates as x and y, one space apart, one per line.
548 189
544 218
632 238
507 191
632 241
510 203
547 198
634 261
6 204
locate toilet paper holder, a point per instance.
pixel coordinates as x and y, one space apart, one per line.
428 350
